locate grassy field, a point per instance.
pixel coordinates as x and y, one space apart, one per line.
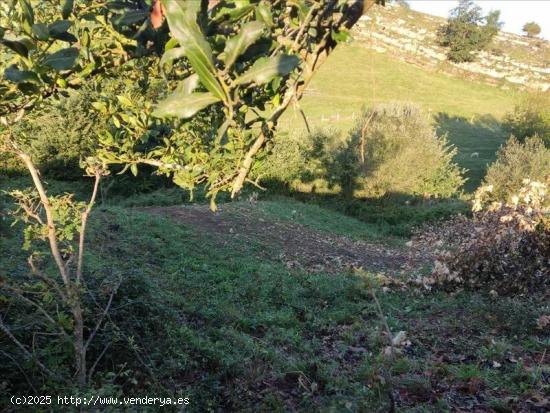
219 316
355 77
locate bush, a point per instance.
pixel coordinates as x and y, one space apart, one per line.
505 248
403 154
532 29
530 117
464 34
515 162
59 135
393 149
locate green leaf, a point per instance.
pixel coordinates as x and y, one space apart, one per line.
40 31
63 59
125 101
67 8
340 37
134 169
183 105
182 20
58 30
59 27
233 14
267 68
13 74
131 17
263 12
17 46
189 84
99 106
26 9
170 55
238 44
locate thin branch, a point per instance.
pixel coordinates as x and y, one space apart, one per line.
20 369
102 317
41 309
83 222
97 360
363 137
26 352
256 184
302 113
51 283
52 237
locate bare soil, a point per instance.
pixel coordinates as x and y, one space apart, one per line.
296 245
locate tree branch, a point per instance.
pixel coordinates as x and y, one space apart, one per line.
102 317
83 222
26 352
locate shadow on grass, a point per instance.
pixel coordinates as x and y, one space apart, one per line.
477 140
394 215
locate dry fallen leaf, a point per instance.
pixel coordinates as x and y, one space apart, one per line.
399 338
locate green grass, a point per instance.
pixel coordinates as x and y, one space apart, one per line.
390 221
226 323
355 77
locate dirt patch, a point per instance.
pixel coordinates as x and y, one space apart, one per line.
296 245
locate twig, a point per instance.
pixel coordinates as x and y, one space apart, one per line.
41 309
100 321
97 360
46 279
84 221
27 353
21 370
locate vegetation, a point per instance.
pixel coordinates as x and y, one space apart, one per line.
281 300
222 162
392 149
530 117
515 162
469 113
468 31
210 317
532 29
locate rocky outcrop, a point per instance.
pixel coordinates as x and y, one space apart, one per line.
411 37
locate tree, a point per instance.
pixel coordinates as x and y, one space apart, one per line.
231 69
467 31
532 29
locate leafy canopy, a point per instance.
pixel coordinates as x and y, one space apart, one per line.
467 31
532 29
230 69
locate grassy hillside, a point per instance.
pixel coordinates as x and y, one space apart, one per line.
355 77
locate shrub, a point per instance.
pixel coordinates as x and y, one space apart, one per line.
515 162
59 135
393 149
464 34
504 248
403 154
530 117
532 29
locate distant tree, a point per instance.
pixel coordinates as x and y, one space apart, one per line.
467 31
532 29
